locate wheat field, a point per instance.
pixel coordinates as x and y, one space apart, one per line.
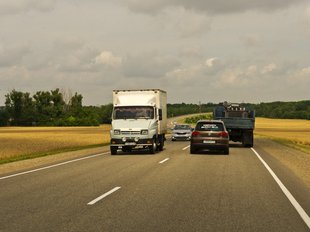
16 142
23 141
287 130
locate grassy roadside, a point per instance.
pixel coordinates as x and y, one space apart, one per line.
42 154
289 143
293 144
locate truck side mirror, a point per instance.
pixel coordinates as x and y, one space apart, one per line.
160 114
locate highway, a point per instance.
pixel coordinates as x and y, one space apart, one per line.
169 191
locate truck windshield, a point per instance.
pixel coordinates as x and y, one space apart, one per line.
133 112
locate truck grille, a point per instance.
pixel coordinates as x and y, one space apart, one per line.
130 132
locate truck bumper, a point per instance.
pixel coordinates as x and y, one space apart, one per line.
130 142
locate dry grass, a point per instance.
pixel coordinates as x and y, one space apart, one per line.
24 142
291 132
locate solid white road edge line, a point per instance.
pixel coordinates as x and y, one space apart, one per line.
52 166
103 196
287 193
163 161
186 147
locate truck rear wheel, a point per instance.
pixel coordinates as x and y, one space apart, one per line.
247 138
113 150
161 143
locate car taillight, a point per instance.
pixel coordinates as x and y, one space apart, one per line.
223 134
195 133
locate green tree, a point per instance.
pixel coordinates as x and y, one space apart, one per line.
20 108
44 107
4 116
58 103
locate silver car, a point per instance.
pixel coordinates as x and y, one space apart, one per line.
181 132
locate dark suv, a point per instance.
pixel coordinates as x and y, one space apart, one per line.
210 135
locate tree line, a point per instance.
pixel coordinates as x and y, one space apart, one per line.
281 110
58 108
51 108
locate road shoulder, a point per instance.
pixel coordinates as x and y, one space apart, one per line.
296 161
48 160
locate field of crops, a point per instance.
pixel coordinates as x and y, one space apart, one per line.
289 131
19 142
25 142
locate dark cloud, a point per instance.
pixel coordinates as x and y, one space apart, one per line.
210 6
21 6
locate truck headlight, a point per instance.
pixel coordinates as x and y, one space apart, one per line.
117 132
144 132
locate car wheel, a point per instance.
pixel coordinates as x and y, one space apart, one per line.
192 150
226 151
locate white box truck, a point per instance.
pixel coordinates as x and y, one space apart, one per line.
139 120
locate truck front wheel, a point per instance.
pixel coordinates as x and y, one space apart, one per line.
153 147
113 150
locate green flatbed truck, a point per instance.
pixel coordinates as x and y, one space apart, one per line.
239 121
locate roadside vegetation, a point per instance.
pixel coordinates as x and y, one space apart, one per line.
194 119
63 108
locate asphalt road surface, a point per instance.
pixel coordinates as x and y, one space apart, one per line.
169 191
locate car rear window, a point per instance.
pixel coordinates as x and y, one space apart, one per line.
203 126
182 127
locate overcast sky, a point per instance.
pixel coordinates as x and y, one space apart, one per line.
204 50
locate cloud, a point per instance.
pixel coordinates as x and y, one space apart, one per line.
186 23
307 15
149 65
21 6
211 62
68 43
12 55
184 75
196 73
191 51
210 6
71 54
250 40
109 59
269 68
251 70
